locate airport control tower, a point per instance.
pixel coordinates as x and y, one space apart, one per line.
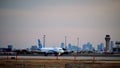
107 39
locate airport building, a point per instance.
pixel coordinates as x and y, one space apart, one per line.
107 39
73 48
34 47
62 45
111 46
116 48
100 48
8 49
87 47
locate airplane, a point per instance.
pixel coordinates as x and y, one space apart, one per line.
57 51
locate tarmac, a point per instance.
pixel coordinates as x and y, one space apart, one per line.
56 63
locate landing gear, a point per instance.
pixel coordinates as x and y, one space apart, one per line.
45 54
52 54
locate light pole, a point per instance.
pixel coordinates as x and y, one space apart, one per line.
65 41
44 40
77 44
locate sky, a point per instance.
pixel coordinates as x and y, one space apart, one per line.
23 22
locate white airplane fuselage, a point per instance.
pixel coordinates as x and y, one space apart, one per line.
50 50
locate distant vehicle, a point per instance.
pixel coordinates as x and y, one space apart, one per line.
50 50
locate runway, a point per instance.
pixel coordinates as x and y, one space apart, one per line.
66 57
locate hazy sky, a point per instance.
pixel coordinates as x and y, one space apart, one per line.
22 22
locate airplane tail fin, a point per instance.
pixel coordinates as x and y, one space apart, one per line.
39 44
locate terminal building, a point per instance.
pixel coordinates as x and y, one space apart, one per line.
116 48
8 49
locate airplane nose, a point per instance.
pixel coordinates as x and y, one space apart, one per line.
62 51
